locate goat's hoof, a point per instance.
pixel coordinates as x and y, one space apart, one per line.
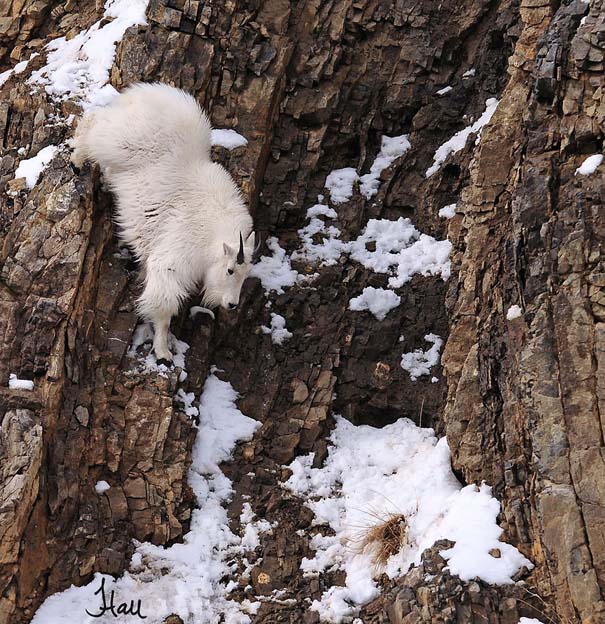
164 362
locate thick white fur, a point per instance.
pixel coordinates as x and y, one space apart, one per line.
181 214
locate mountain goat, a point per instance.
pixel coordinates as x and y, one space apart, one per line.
181 214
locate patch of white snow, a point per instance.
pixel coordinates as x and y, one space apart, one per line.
589 165
419 362
402 250
458 141
189 578
378 301
391 149
447 212
230 139
327 251
19 68
371 474
80 68
513 312
275 272
278 330
321 210
31 168
14 383
101 487
340 184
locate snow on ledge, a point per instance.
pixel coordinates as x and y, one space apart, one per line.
371 474
448 212
458 141
227 138
378 301
275 272
188 579
419 363
14 383
101 487
589 165
279 333
391 149
80 68
340 184
32 168
19 68
513 312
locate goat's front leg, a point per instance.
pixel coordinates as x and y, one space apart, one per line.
159 302
161 326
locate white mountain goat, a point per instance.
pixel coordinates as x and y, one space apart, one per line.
181 214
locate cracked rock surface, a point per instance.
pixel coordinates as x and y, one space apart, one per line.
313 86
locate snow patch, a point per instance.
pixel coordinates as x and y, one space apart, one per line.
371 474
458 141
32 168
253 528
186 399
391 149
400 249
101 487
275 272
340 184
444 90
19 68
590 165
419 362
14 383
513 312
327 251
230 139
378 301
186 579
79 68
143 335
278 330
447 212
321 210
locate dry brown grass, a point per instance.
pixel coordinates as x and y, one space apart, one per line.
382 539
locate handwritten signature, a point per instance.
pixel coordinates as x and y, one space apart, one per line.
121 609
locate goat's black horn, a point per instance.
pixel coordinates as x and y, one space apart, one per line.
240 253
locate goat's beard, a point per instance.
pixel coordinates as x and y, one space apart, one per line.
211 298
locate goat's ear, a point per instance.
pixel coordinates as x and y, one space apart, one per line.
228 251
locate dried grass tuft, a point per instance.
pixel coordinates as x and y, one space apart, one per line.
383 539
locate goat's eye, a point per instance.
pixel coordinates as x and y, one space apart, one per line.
230 271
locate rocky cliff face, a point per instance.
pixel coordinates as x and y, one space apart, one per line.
531 234
313 86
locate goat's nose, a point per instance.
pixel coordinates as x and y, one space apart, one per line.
232 306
